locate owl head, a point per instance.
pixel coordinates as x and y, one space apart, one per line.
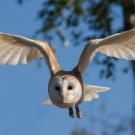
64 90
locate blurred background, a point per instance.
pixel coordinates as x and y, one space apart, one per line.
67 25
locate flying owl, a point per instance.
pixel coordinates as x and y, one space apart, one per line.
66 89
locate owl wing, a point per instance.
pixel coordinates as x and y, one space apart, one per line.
91 92
20 50
121 45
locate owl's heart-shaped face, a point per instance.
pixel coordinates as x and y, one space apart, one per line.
65 91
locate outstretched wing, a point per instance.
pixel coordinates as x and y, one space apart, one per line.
91 92
20 50
121 45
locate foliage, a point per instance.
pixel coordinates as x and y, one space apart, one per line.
83 20
77 131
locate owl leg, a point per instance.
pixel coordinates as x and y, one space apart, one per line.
71 113
78 112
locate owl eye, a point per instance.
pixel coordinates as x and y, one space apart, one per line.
57 88
70 87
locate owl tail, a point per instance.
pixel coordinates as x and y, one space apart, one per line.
47 101
91 92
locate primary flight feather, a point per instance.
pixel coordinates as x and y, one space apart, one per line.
66 88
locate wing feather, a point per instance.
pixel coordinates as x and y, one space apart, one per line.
91 92
121 45
13 59
20 53
20 50
5 55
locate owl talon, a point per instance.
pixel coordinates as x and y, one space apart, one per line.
78 112
71 113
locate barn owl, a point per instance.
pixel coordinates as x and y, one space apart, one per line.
66 89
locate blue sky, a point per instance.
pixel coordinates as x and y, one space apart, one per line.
22 88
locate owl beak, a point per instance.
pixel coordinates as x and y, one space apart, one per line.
62 95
